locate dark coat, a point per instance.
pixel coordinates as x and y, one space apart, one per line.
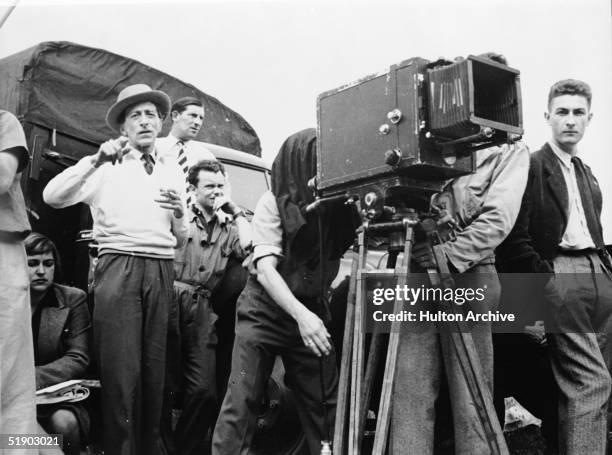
63 338
534 241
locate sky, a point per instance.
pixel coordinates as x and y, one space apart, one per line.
269 60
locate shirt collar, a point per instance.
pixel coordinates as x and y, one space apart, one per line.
138 154
196 216
176 140
565 158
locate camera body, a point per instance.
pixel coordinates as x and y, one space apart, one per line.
405 131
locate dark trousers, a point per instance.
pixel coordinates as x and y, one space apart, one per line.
130 326
263 331
196 381
580 300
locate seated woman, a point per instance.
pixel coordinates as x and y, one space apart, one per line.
61 327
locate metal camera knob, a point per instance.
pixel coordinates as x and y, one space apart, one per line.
384 129
394 116
393 157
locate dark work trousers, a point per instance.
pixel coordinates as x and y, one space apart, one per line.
580 299
130 326
263 331
197 378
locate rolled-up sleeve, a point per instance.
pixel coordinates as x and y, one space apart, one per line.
267 228
13 138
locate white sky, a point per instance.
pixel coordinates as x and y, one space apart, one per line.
269 60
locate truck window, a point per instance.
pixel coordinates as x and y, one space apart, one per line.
247 185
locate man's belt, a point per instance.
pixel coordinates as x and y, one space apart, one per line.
199 289
582 252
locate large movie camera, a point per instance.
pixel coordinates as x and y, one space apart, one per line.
397 136
390 141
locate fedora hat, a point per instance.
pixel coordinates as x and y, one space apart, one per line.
134 94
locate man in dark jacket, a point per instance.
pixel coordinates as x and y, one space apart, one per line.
558 234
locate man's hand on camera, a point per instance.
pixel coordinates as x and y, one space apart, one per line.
314 334
423 254
171 200
111 151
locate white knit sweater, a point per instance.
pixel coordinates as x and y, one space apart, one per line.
121 198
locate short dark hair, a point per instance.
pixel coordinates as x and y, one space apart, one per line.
181 104
204 165
494 56
570 87
36 243
121 116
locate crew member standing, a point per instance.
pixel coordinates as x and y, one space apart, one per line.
137 202
17 385
187 115
218 230
485 205
558 235
282 310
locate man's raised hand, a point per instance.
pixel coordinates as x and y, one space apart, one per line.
111 151
226 205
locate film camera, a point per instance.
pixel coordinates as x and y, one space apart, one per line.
402 133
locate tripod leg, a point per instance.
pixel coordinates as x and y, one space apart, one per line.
355 416
377 345
459 342
345 364
384 410
374 355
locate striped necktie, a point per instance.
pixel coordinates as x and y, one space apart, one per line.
182 161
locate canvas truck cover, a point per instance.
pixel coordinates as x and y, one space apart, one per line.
68 88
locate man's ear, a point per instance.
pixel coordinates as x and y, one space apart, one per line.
191 188
159 125
547 116
589 117
122 131
174 115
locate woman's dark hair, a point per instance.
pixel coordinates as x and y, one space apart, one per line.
36 243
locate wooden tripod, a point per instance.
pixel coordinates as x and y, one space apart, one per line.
355 390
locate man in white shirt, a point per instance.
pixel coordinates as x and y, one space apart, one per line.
136 197
187 118
558 236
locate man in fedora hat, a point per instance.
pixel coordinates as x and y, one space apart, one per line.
137 203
